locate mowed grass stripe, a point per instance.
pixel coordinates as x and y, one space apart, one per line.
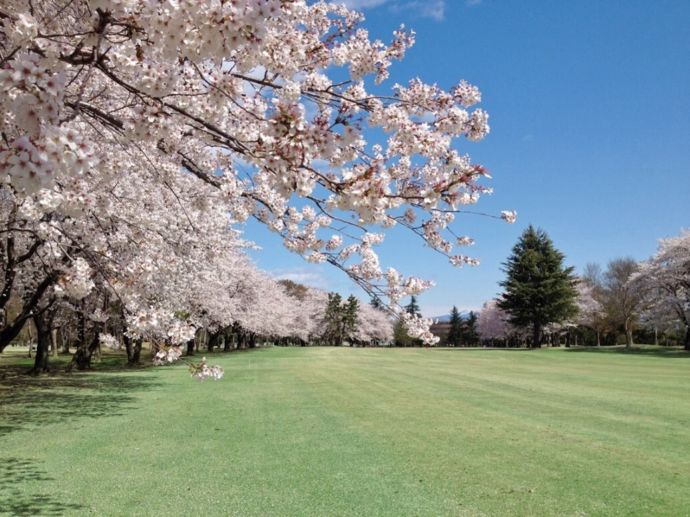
331 431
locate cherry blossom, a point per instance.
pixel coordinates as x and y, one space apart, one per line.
116 113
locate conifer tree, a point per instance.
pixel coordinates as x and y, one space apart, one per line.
376 303
333 320
470 333
400 335
350 319
455 331
539 290
413 307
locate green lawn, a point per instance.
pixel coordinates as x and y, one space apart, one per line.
334 431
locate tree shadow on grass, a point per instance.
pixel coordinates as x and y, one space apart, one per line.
27 401
649 351
13 501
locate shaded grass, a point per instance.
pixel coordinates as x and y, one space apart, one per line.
328 431
652 351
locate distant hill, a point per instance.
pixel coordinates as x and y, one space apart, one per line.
446 317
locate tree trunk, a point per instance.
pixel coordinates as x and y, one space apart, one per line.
84 354
8 333
212 341
81 327
598 338
133 347
687 338
128 345
241 340
54 341
228 339
190 347
29 331
628 335
65 337
43 344
536 335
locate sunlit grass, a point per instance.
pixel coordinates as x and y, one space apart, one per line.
332 431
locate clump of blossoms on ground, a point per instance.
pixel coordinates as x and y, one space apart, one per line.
202 371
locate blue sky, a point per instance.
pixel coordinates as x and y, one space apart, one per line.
590 116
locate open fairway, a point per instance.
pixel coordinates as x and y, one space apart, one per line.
338 431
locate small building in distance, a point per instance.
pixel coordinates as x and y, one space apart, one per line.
440 329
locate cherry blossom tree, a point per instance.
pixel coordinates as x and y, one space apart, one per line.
374 326
249 108
665 282
493 323
591 313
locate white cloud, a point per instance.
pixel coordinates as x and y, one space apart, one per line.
362 4
301 275
434 9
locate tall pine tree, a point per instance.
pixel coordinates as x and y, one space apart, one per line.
470 333
350 318
413 306
539 290
333 320
455 330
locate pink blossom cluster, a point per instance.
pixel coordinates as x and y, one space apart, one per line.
109 341
202 371
167 355
418 328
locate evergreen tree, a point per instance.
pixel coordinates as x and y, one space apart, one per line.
400 335
539 290
455 331
413 307
470 333
350 320
333 320
376 303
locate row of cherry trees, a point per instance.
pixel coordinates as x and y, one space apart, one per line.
136 137
652 296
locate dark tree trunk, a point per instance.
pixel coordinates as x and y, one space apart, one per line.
81 328
136 352
687 338
43 344
212 341
128 345
9 332
133 347
84 354
628 338
241 340
190 347
536 335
